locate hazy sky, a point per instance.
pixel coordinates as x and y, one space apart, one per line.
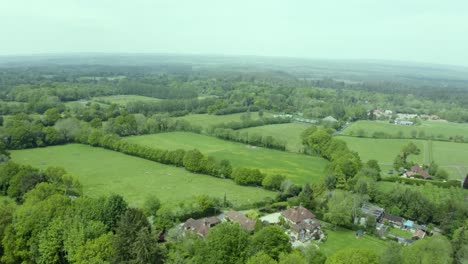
408 30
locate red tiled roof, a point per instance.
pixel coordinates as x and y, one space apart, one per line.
243 220
416 169
298 214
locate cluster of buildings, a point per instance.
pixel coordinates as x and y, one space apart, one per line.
301 224
382 114
400 118
385 220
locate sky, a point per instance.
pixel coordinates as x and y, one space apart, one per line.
403 30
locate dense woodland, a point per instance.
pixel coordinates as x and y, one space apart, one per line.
48 219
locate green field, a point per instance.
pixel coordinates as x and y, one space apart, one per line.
299 168
432 192
452 156
435 129
105 101
342 238
80 104
206 120
104 172
124 99
449 155
289 132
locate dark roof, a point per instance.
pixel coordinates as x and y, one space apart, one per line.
243 220
308 224
369 209
393 218
201 226
298 214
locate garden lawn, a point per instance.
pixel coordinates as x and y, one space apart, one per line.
436 129
342 238
400 233
299 168
290 133
104 172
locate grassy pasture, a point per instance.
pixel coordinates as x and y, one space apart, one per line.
104 172
342 238
289 132
105 101
452 156
383 150
299 168
432 192
82 103
449 155
436 129
124 99
206 120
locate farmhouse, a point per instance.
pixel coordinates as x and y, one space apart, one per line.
200 226
394 220
306 230
417 171
303 225
370 210
297 214
243 220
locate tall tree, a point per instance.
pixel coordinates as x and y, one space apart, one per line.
226 243
431 250
340 206
354 256
114 207
272 240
